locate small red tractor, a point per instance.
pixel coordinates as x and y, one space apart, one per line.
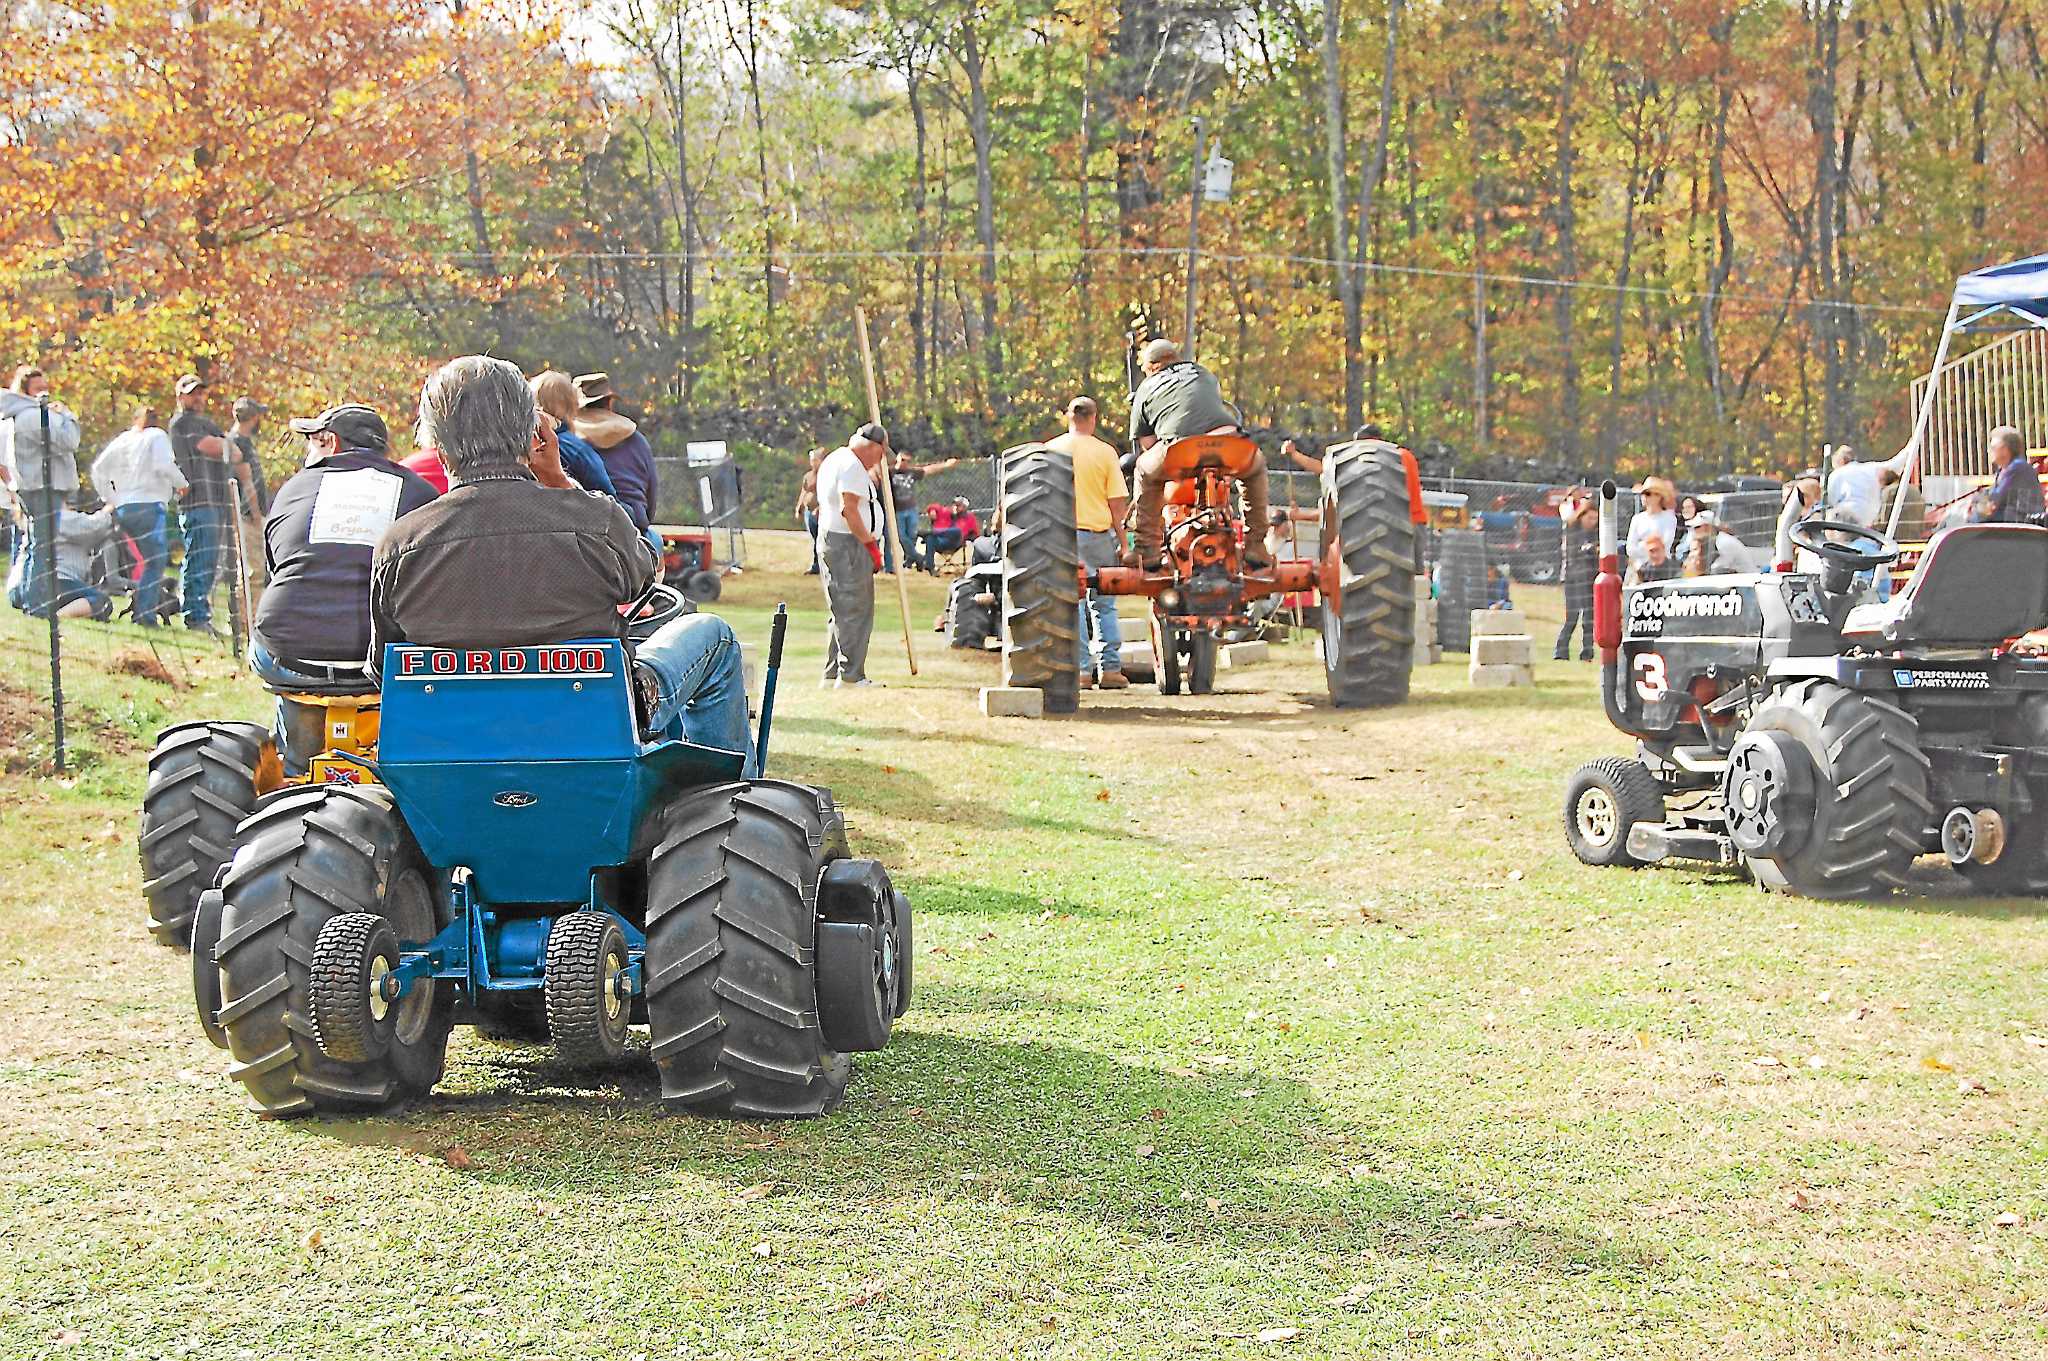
1364 569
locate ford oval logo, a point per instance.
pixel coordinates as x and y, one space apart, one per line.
514 798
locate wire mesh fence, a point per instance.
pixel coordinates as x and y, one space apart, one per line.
82 601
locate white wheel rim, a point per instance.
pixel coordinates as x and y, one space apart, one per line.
614 995
380 1004
1598 816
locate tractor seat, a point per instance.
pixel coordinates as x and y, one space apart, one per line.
328 679
1232 454
1976 586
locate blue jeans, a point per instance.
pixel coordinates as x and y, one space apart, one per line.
280 676
695 662
145 522
906 531
201 528
1098 549
936 542
33 589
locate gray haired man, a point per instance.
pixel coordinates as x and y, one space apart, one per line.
502 561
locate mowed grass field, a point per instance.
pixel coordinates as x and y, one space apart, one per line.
1243 1027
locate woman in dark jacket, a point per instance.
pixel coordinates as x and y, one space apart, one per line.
1581 564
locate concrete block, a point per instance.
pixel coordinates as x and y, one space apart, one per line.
1237 656
993 643
1012 701
1500 650
1135 654
1499 677
1425 655
1498 621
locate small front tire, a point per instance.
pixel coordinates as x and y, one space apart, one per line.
1603 801
588 1010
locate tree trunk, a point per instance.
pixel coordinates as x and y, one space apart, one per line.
1567 259
919 240
1369 178
979 126
1829 320
1721 266
1339 174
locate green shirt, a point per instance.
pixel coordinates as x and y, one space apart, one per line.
1180 399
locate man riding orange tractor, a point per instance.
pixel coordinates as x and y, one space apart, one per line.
1211 567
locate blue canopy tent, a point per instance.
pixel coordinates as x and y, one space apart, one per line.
1997 297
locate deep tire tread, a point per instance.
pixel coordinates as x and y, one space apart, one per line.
201 784
1872 785
350 842
731 997
1365 492
1041 576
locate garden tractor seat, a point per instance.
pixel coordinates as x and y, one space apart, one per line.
526 765
1232 454
1976 587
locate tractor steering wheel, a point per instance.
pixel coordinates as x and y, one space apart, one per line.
657 605
1810 535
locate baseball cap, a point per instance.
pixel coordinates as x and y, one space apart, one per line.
191 382
1705 517
248 406
874 433
355 425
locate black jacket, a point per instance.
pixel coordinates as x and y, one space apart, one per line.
502 561
323 527
1581 550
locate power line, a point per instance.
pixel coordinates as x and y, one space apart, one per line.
1180 253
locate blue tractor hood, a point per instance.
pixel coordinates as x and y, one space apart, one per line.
525 765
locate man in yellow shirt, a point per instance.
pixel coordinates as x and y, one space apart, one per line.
1100 501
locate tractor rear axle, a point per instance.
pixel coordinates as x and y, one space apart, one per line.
1282 578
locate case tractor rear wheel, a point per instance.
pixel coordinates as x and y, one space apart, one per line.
1041 576
1854 792
308 858
1603 800
732 998
1368 545
203 780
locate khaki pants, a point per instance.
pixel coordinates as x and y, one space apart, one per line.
1150 512
848 574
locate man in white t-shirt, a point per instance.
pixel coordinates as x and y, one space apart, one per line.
848 553
1856 490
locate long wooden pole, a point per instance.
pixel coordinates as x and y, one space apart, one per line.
897 547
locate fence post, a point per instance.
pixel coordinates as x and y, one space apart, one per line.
47 540
239 617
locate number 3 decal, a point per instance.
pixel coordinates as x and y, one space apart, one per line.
1650 681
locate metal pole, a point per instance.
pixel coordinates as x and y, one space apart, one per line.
1187 349
240 616
867 368
48 540
1948 327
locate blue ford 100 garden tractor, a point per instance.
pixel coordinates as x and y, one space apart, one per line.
531 865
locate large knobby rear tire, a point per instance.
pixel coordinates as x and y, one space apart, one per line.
308 857
732 1006
203 780
1041 576
1869 789
1602 801
1369 543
